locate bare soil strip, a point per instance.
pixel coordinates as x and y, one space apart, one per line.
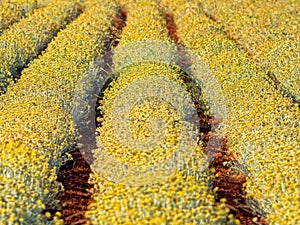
75 173
76 196
229 182
116 31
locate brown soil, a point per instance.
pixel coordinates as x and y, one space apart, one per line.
229 182
75 173
117 27
171 27
76 196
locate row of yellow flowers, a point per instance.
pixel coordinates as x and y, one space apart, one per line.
12 11
262 126
269 30
36 122
183 197
24 40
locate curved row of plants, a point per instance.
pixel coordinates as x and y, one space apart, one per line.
262 126
186 196
269 31
24 40
35 121
36 125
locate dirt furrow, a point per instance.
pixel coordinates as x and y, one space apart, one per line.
75 173
228 182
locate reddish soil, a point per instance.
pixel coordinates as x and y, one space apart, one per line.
117 27
75 173
229 182
171 27
76 196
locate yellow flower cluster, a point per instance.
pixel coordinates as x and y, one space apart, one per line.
262 126
36 112
267 29
12 11
24 189
283 62
154 26
179 200
185 197
24 40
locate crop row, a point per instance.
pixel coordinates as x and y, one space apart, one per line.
24 40
269 31
35 121
185 197
262 126
12 11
